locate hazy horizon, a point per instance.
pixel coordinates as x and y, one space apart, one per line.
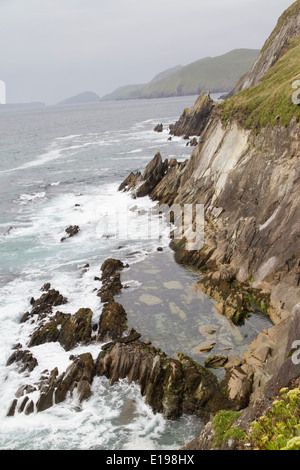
56 49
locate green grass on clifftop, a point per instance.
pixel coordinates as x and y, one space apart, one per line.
270 101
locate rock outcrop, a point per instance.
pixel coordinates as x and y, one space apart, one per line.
170 386
145 183
193 120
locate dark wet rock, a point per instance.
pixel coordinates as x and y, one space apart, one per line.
44 305
145 183
23 404
132 336
12 408
24 358
113 321
77 377
131 182
46 287
24 390
159 128
152 175
67 329
111 279
72 230
193 142
29 408
193 120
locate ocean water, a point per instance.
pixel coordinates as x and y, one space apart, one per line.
61 166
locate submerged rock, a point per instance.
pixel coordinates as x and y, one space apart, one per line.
145 183
113 321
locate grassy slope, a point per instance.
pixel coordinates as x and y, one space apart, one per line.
271 100
214 74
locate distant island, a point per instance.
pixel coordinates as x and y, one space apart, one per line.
81 98
214 74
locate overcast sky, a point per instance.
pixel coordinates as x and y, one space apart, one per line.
54 49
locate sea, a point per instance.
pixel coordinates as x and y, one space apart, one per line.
62 166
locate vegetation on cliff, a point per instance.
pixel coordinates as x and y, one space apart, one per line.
270 101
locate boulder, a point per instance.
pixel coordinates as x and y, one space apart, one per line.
24 358
111 279
67 329
44 305
143 184
159 128
113 322
216 361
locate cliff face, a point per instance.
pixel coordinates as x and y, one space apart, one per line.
245 170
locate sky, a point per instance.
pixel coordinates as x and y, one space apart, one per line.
54 49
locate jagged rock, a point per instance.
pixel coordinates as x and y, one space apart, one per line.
237 385
12 408
152 175
159 128
72 230
25 389
143 184
193 120
78 376
132 336
44 305
111 279
67 329
170 386
113 322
